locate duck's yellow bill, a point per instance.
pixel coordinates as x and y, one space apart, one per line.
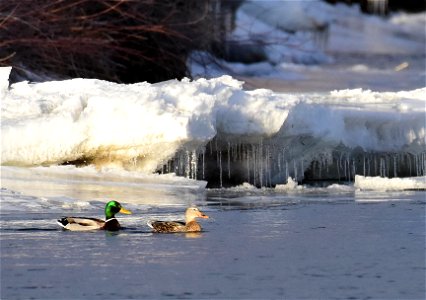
125 211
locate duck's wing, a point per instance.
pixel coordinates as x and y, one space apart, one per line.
81 224
167 226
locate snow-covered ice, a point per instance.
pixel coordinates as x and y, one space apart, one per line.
290 185
390 184
268 136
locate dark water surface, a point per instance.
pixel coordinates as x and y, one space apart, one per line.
254 247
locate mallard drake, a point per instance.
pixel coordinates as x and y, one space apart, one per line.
190 224
85 224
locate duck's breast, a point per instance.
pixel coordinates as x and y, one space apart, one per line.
193 226
111 225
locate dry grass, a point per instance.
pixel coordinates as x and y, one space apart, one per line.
118 40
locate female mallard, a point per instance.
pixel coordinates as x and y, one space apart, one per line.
84 224
190 224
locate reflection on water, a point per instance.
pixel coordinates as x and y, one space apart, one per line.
193 235
39 182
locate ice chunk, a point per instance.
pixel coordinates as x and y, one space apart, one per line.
390 184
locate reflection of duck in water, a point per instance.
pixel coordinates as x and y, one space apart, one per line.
85 224
190 224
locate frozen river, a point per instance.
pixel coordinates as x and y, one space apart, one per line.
330 243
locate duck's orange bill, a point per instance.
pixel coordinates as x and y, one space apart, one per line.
125 211
204 216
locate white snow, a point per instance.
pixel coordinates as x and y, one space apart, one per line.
390 184
284 31
290 185
309 33
60 121
289 15
290 31
142 126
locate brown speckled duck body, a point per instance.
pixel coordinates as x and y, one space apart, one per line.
190 224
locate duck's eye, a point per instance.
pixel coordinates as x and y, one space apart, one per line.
117 207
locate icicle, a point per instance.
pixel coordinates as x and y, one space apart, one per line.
369 167
286 170
388 166
254 163
203 154
260 157
247 157
375 172
416 164
194 164
268 166
338 169
269 175
345 171
342 166
187 164
229 160
284 160
395 173
363 165
279 162
220 167
382 167
295 169
181 164
319 170
327 164
409 163
348 160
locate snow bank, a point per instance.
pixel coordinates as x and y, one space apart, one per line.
55 122
144 126
390 184
281 31
353 32
307 33
289 31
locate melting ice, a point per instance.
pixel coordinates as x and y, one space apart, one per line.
214 130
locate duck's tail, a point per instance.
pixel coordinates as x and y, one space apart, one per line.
149 223
62 222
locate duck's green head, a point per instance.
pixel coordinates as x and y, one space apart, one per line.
113 207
